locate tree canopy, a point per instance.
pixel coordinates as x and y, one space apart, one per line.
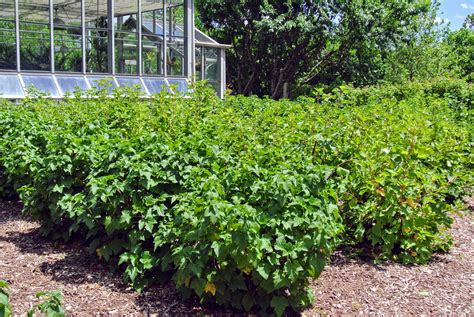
302 43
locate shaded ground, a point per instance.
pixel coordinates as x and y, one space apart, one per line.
31 263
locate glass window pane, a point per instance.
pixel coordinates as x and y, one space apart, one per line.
126 53
125 7
35 38
211 64
201 37
67 36
97 36
10 87
198 58
152 52
130 82
155 86
152 16
175 18
102 83
126 37
175 56
44 84
152 38
71 84
7 35
181 84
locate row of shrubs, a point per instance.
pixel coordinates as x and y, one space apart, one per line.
240 201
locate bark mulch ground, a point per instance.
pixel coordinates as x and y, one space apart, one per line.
31 263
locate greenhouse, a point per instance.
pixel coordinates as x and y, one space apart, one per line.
57 46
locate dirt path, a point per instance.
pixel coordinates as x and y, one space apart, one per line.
444 287
31 263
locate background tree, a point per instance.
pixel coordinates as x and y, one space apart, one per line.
303 42
461 42
469 23
423 53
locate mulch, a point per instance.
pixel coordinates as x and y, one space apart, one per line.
348 286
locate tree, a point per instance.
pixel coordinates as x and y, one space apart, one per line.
423 53
461 42
303 42
469 23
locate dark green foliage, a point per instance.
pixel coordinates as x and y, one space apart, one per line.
303 43
240 201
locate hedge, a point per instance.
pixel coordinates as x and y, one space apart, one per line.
240 202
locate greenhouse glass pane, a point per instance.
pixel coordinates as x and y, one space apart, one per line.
7 35
126 37
175 56
71 84
10 87
35 36
152 38
97 36
67 36
44 84
198 64
211 67
175 18
102 83
155 85
152 55
126 52
201 37
130 82
181 83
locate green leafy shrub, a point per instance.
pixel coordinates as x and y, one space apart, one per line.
241 201
163 195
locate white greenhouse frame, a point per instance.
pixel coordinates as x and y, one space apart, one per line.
14 82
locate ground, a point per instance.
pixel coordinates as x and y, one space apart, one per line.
31 263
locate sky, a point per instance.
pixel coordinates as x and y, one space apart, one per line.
455 12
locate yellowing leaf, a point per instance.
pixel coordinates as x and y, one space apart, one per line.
210 288
99 253
381 192
414 254
411 203
247 270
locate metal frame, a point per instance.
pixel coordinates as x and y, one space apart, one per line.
165 41
17 36
222 69
83 39
189 39
111 36
190 44
140 44
51 35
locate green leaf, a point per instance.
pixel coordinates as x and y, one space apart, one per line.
279 303
264 271
248 301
